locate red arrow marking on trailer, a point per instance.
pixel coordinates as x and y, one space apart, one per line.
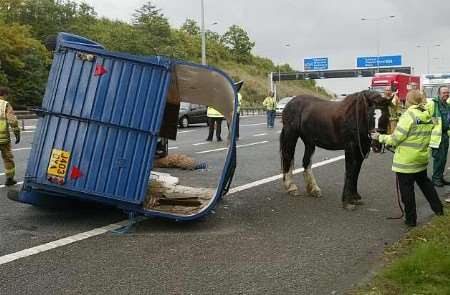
99 70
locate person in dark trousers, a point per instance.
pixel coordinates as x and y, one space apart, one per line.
411 139
270 104
440 111
214 121
8 120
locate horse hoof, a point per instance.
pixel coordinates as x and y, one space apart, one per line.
349 207
357 202
316 194
295 193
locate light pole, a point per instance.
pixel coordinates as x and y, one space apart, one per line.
203 32
279 75
377 21
428 53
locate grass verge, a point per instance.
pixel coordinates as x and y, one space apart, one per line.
417 264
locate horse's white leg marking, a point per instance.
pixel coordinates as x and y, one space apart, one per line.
310 182
289 184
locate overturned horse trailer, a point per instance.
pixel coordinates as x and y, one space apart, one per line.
100 120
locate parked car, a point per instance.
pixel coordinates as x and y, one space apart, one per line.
282 103
191 114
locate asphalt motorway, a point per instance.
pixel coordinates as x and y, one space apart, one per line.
259 240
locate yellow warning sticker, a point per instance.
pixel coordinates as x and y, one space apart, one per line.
59 162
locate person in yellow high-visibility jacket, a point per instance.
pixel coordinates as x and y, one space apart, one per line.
270 103
411 139
8 119
214 119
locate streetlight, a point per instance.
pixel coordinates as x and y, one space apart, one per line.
428 53
279 74
377 25
203 32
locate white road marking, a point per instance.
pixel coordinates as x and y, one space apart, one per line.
27 131
260 134
173 148
3 186
21 149
102 230
279 176
186 131
200 143
279 131
238 146
61 242
30 127
256 124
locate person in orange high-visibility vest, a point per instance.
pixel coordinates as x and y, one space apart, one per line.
8 119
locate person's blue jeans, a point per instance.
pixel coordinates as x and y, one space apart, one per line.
270 119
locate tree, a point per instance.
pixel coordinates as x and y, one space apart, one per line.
191 27
237 40
154 27
24 65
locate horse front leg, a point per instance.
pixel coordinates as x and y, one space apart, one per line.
350 194
310 181
288 142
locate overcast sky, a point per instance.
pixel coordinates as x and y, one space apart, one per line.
315 28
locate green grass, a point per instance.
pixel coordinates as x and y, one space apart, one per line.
418 264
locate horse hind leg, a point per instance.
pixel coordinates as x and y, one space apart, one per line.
310 181
288 141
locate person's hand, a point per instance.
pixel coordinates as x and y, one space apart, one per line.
17 135
375 135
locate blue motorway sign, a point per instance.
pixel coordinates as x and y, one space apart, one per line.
383 61
316 63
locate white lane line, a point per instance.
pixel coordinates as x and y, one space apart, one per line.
200 143
186 131
30 127
21 149
279 176
260 134
61 242
279 131
238 146
256 124
3 186
27 131
102 230
173 148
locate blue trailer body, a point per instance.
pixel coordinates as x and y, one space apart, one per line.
100 120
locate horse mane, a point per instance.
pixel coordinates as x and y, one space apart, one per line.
351 100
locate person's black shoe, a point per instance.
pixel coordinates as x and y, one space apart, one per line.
10 181
209 139
219 139
410 223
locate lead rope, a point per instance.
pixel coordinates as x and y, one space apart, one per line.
364 156
398 200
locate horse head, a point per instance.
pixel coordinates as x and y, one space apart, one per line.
378 115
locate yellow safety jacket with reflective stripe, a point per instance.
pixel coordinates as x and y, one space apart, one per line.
411 139
213 113
270 103
239 102
436 134
4 128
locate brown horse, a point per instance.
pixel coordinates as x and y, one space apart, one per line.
344 125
